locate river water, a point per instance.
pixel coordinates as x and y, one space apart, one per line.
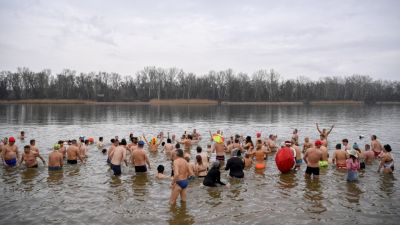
90 194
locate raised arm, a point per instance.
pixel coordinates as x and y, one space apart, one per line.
145 139
320 132
330 130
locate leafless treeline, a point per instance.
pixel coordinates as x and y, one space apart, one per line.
160 83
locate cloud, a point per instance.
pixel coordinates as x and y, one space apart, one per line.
311 38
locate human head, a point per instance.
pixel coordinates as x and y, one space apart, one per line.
179 152
318 143
11 140
160 169
248 139
100 138
215 164
247 155
367 147
123 141
373 137
199 149
345 142
355 146
22 133
387 148
208 145
288 143
112 140
306 139
177 146
258 134
56 147
169 140
32 142
27 148
199 160
86 141
134 140
74 142
338 146
116 142
153 141
140 144
236 140
295 131
61 143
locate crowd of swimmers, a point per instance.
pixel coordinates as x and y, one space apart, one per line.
243 152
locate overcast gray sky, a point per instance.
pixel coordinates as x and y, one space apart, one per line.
307 38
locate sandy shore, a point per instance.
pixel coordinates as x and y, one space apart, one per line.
180 102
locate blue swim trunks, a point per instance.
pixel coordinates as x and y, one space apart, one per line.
182 183
11 162
299 161
55 168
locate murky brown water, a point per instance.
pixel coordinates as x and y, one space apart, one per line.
89 194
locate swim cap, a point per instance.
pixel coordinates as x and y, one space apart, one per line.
355 146
141 143
11 139
288 143
318 143
56 146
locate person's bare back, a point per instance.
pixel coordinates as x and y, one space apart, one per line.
73 152
55 159
313 156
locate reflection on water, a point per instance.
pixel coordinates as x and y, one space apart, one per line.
90 194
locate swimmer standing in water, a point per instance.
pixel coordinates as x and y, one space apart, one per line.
180 179
324 133
10 154
153 144
311 158
56 159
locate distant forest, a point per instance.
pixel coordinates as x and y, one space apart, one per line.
173 83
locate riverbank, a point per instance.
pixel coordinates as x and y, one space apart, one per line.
183 102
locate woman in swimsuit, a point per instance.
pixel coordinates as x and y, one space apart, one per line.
387 161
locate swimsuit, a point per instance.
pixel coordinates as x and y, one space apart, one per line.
299 162
72 161
376 153
34 166
389 165
260 166
323 163
116 169
220 157
182 183
341 166
54 168
352 175
312 170
140 169
11 162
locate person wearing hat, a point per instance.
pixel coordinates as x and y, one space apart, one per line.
10 154
353 165
55 158
29 157
153 144
311 158
139 158
213 176
235 165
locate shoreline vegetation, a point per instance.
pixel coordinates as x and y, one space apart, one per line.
183 102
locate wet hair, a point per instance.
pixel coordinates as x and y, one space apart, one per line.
247 155
388 148
86 141
208 145
32 141
190 137
163 143
179 152
100 138
134 140
367 147
177 146
345 140
73 141
169 140
104 151
199 159
236 140
22 132
248 139
60 142
123 141
160 168
374 137
27 147
338 146
259 142
199 149
112 140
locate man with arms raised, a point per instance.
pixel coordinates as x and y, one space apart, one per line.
311 158
10 153
139 158
180 179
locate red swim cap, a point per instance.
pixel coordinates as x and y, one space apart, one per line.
318 143
11 139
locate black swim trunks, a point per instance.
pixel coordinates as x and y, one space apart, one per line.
72 161
141 169
116 169
312 170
